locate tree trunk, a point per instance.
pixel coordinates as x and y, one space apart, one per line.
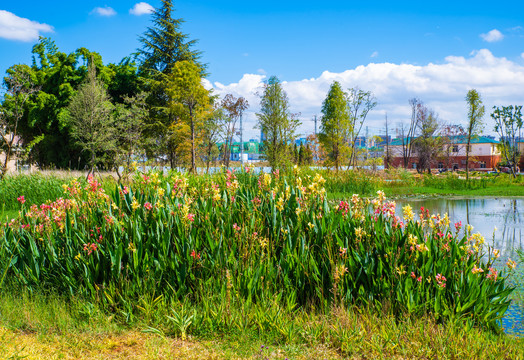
193 153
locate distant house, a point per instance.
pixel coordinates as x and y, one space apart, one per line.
484 154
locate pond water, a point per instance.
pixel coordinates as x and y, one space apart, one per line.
506 215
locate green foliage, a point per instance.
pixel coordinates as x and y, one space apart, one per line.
508 123
277 123
335 125
36 188
90 118
474 124
250 240
189 103
163 44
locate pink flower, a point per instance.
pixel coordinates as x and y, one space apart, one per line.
148 206
21 199
419 279
413 275
493 274
191 217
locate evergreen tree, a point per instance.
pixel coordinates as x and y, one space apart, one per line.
335 125
164 44
91 121
301 155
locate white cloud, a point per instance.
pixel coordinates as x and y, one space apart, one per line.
104 11
13 27
141 8
374 54
442 87
492 36
261 71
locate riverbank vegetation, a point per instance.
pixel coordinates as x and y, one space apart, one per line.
239 256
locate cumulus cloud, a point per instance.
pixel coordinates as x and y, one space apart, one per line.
442 87
104 11
492 36
13 27
141 8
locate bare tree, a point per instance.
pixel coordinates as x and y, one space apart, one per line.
234 108
360 103
19 86
407 133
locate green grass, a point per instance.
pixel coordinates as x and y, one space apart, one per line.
37 325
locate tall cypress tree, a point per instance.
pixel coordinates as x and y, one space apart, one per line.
164 44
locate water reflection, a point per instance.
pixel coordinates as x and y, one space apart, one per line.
485 215
501 222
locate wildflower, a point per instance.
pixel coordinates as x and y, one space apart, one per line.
280 203
194 255
90 247
496 253
191 217
419 279
284 231
148 206
78 256
400 270
311 226
408 213
161 192
413 275
256 201
134 204
236 227
21 199
476 269
441 280
493 274
359 233
343 251
511 264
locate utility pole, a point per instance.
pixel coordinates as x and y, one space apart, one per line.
241 143
387 144
315 120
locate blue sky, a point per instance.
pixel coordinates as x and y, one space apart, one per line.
432 50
